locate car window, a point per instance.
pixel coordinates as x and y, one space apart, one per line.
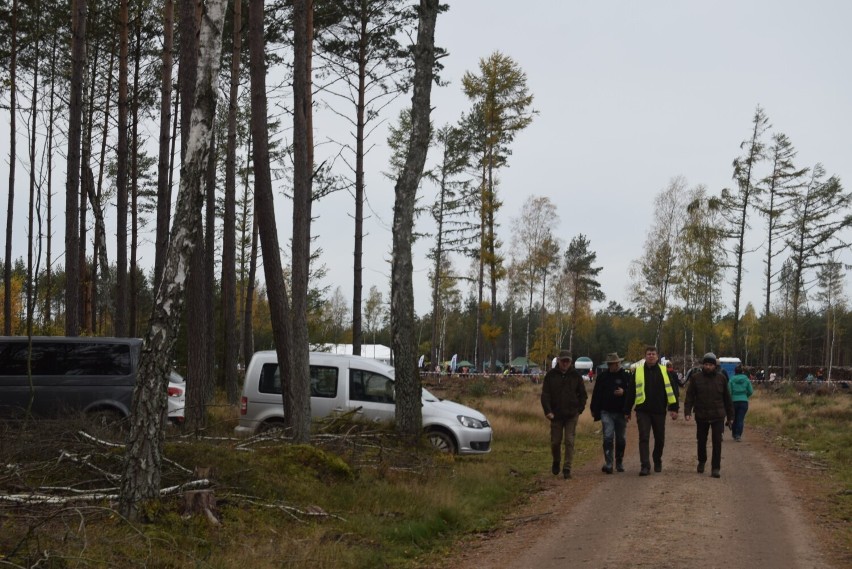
323 380
370 386
65 358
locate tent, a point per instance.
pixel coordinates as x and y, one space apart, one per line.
372 351
486 365
521 363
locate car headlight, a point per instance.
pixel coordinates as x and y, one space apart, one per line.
470 422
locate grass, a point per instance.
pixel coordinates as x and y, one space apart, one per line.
353 501
817 427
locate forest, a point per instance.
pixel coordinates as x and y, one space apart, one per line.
530 297
183 122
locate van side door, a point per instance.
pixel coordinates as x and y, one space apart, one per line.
327 394
372 394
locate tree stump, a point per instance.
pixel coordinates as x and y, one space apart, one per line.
200 502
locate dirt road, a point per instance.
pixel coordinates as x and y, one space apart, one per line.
751 517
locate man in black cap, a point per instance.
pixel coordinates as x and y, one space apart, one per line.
563 399
652 393
709 396
608 407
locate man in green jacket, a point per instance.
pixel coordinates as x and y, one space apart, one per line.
741 389
563 399
709 396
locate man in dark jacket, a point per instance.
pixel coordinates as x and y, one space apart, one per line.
652 393
608 407
563 399
709 396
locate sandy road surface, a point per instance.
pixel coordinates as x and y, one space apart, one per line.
751 517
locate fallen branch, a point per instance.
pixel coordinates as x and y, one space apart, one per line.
47 499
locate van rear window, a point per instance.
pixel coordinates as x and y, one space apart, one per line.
323 380
65 358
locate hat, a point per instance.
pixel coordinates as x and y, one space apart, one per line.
709 358
565 355
613 358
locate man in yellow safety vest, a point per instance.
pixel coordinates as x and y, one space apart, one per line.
652 394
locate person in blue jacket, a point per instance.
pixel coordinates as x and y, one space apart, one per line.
741 390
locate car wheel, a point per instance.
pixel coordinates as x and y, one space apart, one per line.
106 423
441 441
270 428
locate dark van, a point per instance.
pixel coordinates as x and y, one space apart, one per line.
69 375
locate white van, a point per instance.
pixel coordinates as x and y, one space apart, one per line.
342 383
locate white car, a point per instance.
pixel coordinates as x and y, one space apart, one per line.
177 397
342 384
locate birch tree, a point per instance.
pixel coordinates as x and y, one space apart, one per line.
531 240
143 461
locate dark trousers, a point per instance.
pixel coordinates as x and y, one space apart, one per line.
702 428
648 422
740 410
560 428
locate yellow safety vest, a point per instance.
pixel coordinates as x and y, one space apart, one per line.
640 385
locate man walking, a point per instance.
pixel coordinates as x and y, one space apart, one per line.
709 396
563 399
608 407
652 393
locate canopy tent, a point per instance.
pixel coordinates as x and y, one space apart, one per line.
373 351
487 364
521 362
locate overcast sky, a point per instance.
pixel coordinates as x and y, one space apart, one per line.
629 94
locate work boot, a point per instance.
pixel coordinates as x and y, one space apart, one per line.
607 467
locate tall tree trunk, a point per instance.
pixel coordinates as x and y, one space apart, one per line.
133 297
409 422
72 184
229 229
31 271
121 179
279 309
358 271
164 190
7 267
99 254
300 391
48 278
210 278
86 324
247 275
143 462
195 321
248 312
